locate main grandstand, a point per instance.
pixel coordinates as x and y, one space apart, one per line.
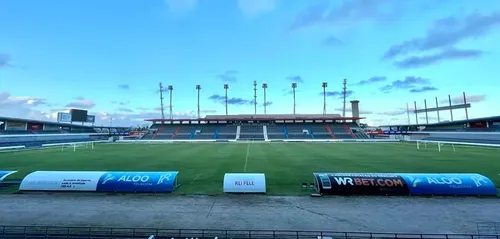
20 133
257 127
484 131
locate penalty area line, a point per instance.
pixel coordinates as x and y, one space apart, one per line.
246 158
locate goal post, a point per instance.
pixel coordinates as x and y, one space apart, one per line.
434 145
74 146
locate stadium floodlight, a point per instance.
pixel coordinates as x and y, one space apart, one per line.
161 103
226 86
325 84
198 88
170 89
294 85
255 97
264 86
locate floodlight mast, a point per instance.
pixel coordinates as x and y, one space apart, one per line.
264 87
344 91
198 88
294 85
325 84
226 86
171 89
161 103
255 97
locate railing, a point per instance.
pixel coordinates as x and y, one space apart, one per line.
33 232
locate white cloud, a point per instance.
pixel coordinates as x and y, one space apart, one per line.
7 99
251 8
81 103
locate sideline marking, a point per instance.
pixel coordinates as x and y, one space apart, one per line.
246 158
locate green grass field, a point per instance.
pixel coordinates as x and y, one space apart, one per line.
286 165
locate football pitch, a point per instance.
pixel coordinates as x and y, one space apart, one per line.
202 166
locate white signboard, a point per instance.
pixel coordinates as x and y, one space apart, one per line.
244 183
63 117
61 181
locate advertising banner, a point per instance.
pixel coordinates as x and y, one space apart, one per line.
449 184
60 181
5 174
92 181
90 119
244 183
138 182
360 184
404 184
63 117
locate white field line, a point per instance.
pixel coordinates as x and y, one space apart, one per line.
246 158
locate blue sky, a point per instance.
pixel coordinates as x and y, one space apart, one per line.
109 56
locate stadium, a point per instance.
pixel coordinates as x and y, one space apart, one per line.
227 167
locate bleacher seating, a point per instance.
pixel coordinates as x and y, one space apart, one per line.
298 131
166 131
340 131
16 132
148 136
361 135
206 131
319 131
254 132
38 141
185 131
226 132
275 131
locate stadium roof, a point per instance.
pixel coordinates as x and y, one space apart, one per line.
267 117
445 123
12 119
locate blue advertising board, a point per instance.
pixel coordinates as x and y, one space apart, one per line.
460 184
137 182
4 174
449 184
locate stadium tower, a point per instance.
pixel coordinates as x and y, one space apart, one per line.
198 88
294 85
226 86
325 84
255 97
171 89
264 87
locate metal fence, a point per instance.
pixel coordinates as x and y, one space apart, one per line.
42 232
488 228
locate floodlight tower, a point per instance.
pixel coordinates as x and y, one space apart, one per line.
325 84
198 88
226 86
171 89
294 85
264 87
344 96
161 102
255 97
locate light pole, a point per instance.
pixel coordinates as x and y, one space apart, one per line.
264 87
226 86
170 89
161 102
325 84
255 97
294 85
198 88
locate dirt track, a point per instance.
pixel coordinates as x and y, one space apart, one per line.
381 214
